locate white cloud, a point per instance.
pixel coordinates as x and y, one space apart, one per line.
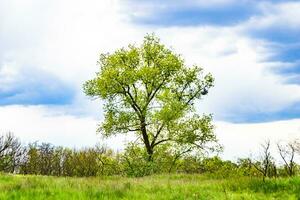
284 14
69 35
62 37
244 140
244 80
48 124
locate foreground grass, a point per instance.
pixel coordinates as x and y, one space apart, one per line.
153 187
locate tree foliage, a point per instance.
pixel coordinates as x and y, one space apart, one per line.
11 153
150 91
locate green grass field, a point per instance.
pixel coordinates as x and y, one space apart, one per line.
154 187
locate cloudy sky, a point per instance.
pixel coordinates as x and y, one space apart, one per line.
49 48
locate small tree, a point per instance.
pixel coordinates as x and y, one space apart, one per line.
287 153
245 167
265 165
149 90
11 153
46 152
32 164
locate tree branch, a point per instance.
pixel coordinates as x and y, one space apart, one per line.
157 134
161 141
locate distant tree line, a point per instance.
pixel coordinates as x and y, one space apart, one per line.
46 159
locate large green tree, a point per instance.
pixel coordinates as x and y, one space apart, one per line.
149 90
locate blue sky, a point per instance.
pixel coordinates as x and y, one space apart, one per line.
48 49
36 86
282 37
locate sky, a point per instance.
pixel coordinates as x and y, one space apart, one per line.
48 49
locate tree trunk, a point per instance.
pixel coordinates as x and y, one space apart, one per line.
146 139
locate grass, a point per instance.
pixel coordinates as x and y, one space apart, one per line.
153 187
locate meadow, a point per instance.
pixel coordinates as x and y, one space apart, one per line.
176 186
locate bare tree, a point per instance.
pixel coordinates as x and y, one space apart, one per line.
287 153
265 165
5 142
11 152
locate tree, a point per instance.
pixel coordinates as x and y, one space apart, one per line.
31 165
11 153
149 90
46 152
5 144
287 153
266 166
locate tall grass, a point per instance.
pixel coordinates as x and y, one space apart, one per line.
177 186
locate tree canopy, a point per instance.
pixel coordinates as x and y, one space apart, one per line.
149 90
